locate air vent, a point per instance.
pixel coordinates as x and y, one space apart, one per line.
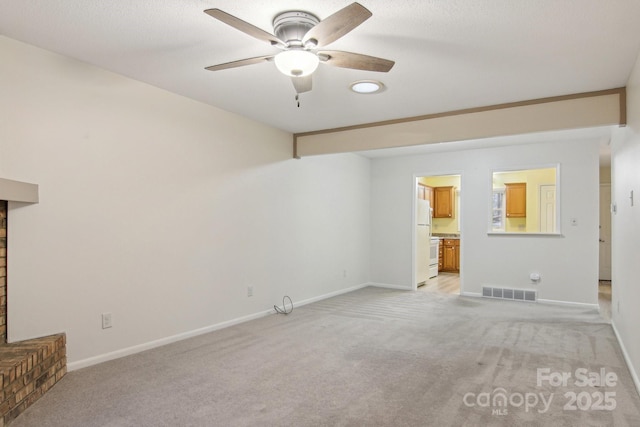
509 294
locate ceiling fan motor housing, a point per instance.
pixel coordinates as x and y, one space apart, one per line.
290 27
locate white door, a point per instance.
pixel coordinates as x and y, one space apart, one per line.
547 208
605 232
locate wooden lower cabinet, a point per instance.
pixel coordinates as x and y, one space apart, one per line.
450 255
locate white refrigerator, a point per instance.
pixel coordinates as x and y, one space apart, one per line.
423 240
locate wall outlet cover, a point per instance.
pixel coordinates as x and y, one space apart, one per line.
106 321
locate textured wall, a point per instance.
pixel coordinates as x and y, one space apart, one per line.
161 210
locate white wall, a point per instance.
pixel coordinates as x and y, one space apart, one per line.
568 264
625 224
161 210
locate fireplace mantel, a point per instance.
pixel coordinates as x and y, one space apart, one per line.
18 191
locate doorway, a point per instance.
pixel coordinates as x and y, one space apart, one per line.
604 252
442 194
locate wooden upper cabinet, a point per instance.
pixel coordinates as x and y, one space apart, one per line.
425 193
421 191
428 195
444 202
516 199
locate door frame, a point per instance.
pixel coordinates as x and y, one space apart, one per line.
414 221
600 208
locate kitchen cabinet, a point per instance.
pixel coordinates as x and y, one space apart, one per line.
516 199
421 191
425 192
429 195
450 260
444 202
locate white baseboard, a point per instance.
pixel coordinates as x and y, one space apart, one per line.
72 366
470 294
575 304
389 286
627 359
330 295
544 301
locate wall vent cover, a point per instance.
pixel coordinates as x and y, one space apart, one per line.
509 294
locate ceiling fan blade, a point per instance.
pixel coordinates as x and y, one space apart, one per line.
240 63
337 25
356 61
302 84
243 26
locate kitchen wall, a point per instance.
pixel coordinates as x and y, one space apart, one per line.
626 230
568 263
446 225
534 178
161 210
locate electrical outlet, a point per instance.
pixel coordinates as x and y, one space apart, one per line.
249 291
106 320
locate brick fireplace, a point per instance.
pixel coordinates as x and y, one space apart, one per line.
27 368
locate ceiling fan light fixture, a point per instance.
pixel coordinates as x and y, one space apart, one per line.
367 86
296 62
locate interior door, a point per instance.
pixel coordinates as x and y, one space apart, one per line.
547 208
604 271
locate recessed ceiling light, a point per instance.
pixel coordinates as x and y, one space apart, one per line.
367 86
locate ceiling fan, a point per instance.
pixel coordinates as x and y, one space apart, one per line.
300 35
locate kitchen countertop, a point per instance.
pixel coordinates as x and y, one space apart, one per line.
446 235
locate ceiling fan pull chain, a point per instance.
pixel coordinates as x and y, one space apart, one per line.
298 100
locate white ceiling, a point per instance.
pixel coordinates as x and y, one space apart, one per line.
449 55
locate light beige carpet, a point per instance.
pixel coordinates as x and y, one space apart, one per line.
374 357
